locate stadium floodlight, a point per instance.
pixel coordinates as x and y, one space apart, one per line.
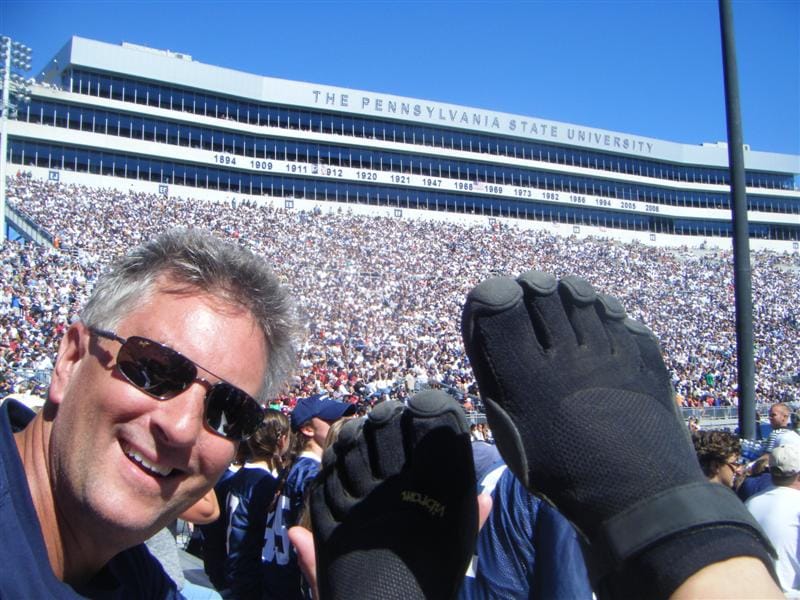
15 59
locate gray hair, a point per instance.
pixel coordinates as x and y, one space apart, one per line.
196 259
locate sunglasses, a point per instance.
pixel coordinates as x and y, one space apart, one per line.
736 464
163 373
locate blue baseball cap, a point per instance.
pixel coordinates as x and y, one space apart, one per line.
320 406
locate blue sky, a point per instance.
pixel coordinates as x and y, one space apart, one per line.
652 68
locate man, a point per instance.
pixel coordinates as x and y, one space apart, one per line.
134 429
311 420
777 510
780 415
779 419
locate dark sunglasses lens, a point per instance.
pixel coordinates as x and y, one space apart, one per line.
232 413
154 368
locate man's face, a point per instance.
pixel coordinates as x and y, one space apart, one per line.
778 417
124 463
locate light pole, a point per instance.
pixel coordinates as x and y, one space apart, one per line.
14 58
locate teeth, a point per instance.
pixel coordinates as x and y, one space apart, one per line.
163 471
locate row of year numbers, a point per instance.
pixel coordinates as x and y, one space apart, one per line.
266 165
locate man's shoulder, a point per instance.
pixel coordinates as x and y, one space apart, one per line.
26 567
15 413
26 570
774 495
785 491
130 575
786 436
133 573
793 436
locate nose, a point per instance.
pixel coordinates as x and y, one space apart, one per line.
179 420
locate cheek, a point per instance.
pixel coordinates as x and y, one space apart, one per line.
105 396
214 455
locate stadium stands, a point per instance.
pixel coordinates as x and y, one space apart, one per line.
382 296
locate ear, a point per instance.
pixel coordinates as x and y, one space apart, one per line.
307 430
72 348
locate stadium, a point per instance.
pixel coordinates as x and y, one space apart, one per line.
380 211
185 128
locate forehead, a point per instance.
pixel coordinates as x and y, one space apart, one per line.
218 335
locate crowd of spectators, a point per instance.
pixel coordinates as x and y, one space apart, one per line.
382 296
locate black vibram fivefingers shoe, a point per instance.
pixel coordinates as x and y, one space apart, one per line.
394 509
581 406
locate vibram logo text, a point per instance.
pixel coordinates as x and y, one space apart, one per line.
434 507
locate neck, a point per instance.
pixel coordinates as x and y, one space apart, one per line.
74 558
313 448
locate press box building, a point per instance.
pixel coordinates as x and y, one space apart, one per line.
107 114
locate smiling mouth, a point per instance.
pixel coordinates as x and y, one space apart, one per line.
145 464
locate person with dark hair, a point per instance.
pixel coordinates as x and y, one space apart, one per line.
250 492
214 536
153 389
719 455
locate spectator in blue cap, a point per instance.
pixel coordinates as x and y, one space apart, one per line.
319 411
311 420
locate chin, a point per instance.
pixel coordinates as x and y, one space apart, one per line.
127 521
